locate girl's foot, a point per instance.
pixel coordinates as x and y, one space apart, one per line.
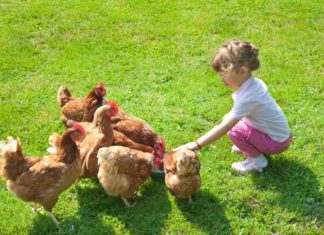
235 149
256 164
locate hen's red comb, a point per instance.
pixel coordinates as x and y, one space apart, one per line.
79 128
157 161
113 105
162 142
102 86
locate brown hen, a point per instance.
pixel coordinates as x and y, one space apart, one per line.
132 132
140 132
80 109
42 179
182 173
99 134
122 170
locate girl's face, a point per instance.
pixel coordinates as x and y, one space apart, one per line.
234 78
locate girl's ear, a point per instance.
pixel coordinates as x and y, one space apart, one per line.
244 70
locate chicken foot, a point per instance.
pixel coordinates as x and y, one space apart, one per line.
190 199
127 203
35 208
53 218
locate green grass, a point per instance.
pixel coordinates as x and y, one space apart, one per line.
153 56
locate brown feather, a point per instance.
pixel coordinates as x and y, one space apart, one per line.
123 140
122 170
79 109
42 179
98 134
182 173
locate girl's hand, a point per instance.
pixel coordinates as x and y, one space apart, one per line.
190 146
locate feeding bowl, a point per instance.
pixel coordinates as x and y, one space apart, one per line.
157 174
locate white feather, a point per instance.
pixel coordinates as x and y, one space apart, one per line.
51 150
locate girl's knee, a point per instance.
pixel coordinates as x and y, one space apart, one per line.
230 133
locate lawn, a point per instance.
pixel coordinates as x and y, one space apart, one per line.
153 57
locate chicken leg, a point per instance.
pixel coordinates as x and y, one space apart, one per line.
53 218
127 202
190 199
35 207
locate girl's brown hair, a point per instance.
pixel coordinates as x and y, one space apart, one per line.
234 54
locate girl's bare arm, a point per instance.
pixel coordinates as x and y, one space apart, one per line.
215 133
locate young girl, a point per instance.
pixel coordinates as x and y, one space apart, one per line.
256 125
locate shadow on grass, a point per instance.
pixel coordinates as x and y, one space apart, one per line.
42 225
98 211
206 212
85 221
72 225
298 187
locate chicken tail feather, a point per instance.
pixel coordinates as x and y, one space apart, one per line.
54 140
9 150
63 95
11 146
1 167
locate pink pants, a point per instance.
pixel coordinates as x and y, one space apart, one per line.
253 142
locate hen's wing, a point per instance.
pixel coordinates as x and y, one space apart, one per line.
123 140
170 164
64 96
137 130
44 173
75 110
123 160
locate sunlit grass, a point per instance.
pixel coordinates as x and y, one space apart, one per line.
153 56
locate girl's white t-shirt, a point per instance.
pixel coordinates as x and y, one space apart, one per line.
255 106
